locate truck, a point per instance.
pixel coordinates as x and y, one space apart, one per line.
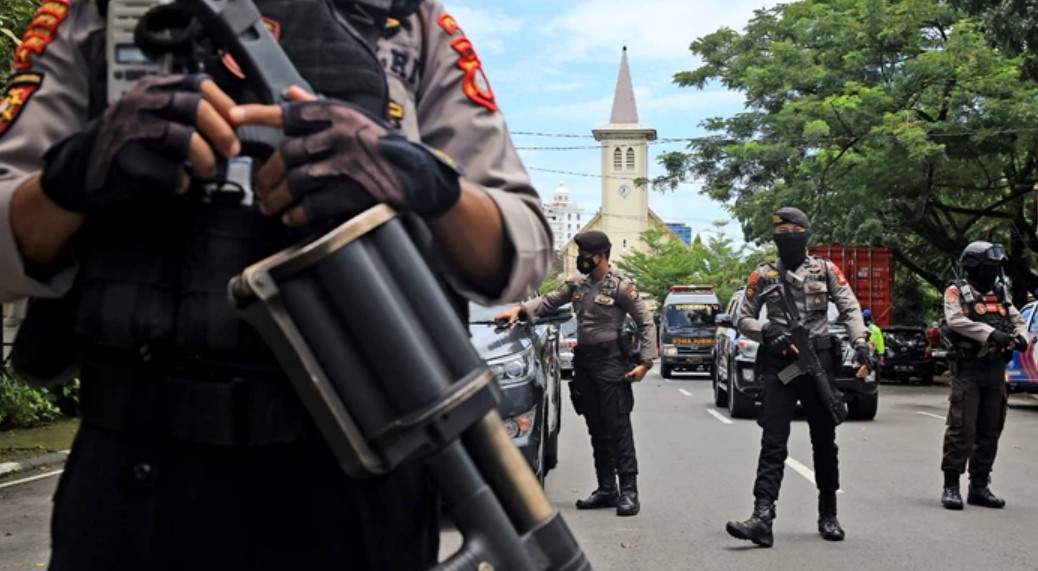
870 273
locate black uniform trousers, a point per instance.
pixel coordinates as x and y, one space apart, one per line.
775 417
976 415
600 393
132 500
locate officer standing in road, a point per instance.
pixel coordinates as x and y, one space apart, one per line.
602 373
983 328
813 283
194 453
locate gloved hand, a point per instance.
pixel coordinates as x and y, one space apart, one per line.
142 144
776 338
863 356
339 161
1000 339
1021 342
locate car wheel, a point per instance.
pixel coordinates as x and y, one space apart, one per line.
667 371
864 407
739 405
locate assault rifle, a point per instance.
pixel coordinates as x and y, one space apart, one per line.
807 362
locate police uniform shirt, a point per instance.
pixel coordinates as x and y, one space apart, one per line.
813 285
958 315
442 91
600 307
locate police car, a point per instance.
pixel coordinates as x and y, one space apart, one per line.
687 329
1022 370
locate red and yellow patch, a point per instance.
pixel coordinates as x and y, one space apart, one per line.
840 278
632 292
951 295
232 66
754 278
475 84
13 99
41 31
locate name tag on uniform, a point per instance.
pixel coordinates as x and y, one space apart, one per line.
604 299
578 296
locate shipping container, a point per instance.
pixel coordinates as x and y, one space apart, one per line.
870 271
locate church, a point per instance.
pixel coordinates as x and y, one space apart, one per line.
625 212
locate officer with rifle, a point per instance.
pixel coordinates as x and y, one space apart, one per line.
799 362
194 453
982 329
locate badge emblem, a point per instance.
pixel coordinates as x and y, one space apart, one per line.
603 299
13 99
980 309
772 273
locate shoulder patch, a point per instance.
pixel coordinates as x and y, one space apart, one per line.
951 295
41 31
754 278
751 292
840 278
19 90
474 84
632 291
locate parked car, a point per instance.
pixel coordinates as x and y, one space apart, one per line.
737 387
1022 370
908 354
525 358
567 343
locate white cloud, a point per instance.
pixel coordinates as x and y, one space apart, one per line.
488 28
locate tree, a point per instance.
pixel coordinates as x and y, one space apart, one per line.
14 16
664 263
889 122
1009 25
551 283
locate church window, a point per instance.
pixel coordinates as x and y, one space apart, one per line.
630 159
625 243
618 159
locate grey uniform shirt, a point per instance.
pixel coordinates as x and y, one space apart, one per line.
813 285
437 111
600 307
955 314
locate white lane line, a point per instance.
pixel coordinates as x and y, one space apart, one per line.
804 471
684 392
713 412
930 414
31 479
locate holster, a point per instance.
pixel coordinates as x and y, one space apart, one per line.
46 350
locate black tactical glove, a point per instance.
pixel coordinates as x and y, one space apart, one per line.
139 145
863 356
776 338
1000 339
1021 342
341 161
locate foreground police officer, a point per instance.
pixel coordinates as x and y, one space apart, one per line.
602 375
193 452
984 329
813 283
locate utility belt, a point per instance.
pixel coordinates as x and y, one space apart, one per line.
604 348
189 405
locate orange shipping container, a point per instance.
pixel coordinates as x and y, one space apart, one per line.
870 272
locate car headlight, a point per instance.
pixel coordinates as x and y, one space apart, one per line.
521 425
670 350
746 349
514 368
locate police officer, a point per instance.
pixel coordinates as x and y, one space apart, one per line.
984 329
813 283
602 371
875 334
193 452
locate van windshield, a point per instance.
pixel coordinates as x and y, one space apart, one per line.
690 315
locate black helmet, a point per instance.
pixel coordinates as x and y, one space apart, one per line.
983 254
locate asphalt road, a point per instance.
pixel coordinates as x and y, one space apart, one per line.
697 472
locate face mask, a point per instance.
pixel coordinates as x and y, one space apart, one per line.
586 264
792 248
984 276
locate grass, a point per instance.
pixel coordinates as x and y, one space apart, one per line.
22 443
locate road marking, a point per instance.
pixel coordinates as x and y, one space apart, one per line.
684 392
930 414
713 412
804 471
30 479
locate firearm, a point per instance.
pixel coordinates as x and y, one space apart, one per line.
807 362
439 404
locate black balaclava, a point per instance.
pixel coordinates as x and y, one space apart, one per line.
984 276
792 247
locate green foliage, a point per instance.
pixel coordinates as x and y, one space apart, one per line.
551 283
890 122
24 406
14 16
667 262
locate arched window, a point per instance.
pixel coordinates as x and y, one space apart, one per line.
630 159
618 160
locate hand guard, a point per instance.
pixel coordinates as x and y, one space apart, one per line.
863 356
341 161
139 145
776 338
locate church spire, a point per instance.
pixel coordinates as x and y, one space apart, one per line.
625 109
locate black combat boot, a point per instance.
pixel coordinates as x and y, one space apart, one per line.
950 498
758 528
828 525
628 504
604 497
980 494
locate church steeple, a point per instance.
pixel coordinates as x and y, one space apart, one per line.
625 109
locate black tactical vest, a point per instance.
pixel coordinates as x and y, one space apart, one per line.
153 273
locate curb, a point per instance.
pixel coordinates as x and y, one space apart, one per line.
52 458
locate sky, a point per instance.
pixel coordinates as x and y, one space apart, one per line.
553 67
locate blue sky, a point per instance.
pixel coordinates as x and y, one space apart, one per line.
553 66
